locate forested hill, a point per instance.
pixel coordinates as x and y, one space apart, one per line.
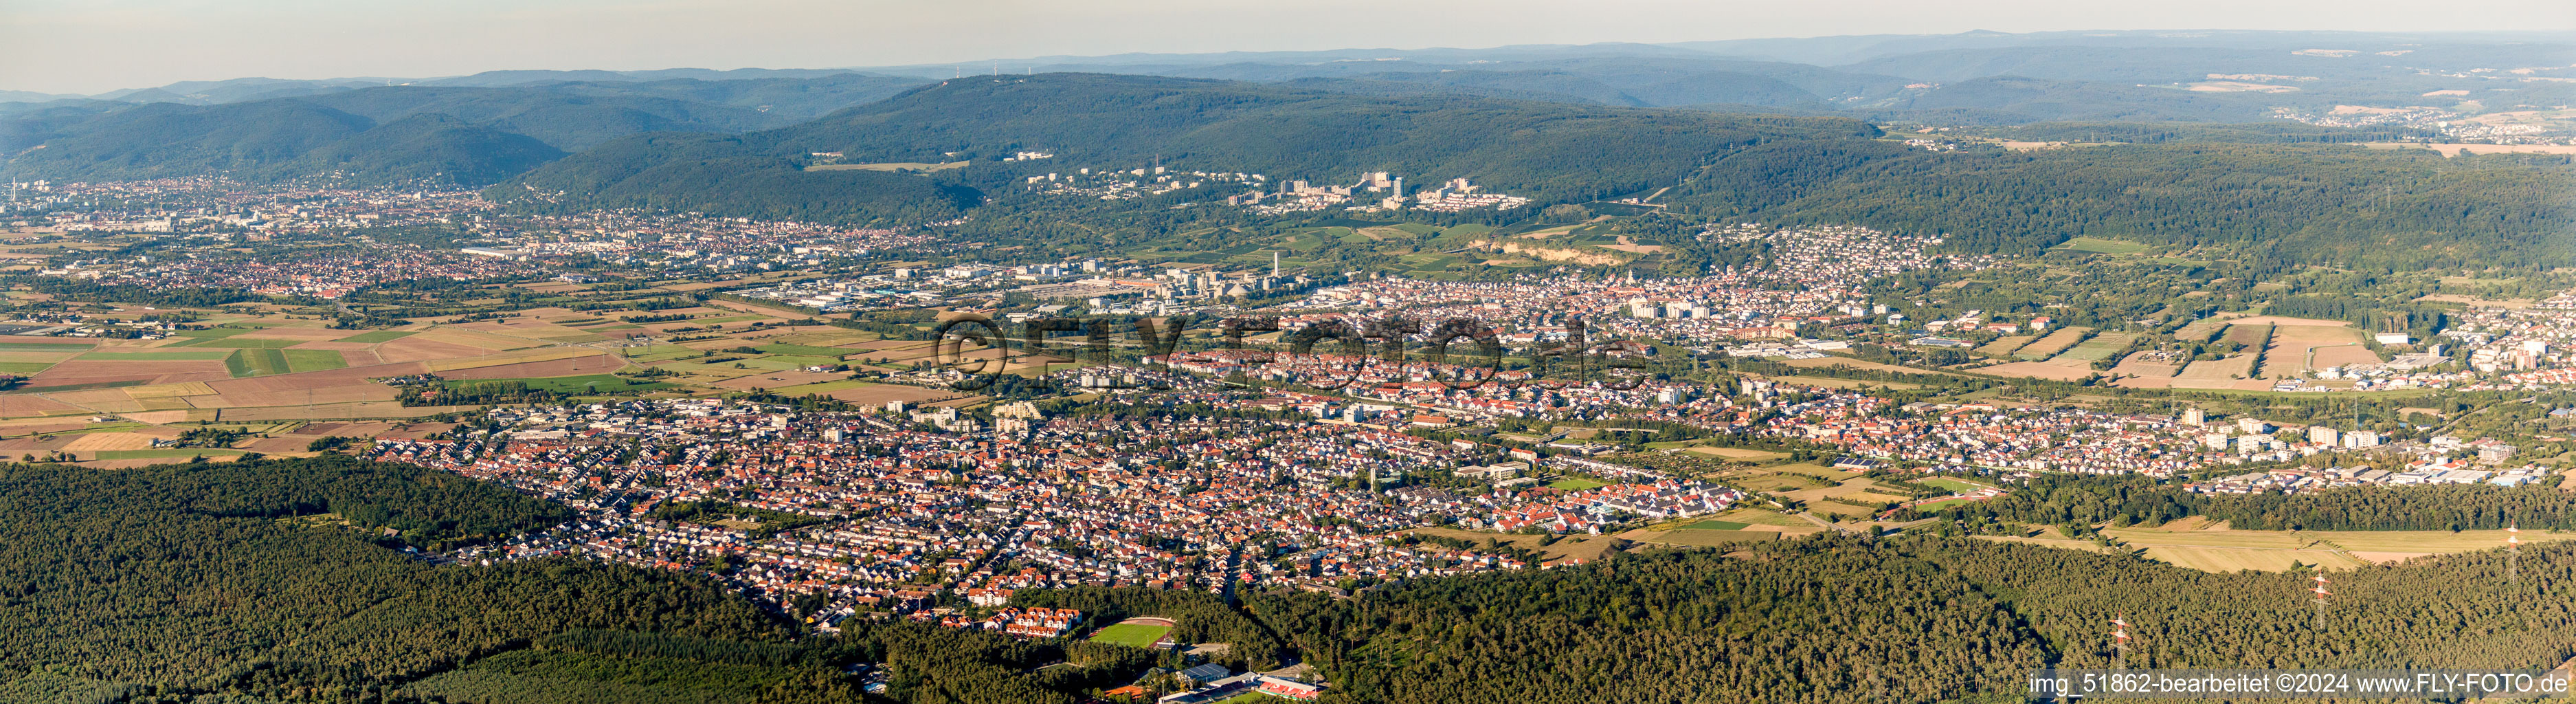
276 139
2287 194
2286 203
486 133
1553 151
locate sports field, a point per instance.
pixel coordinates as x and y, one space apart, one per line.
1134 635
1957 485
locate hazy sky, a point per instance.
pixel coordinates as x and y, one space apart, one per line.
90 46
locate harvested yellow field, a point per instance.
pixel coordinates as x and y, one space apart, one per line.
2208 559
2429 542
2061 543
476 338
2224 550
1739 453
2005 345
184 388
157 416
2038 370
543 354
2054 343
109 441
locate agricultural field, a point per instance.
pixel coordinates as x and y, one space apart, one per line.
586 383
2251 335
2039 370
2218 373
2099 348
284 364
2005 345
2297 350
1832 361
1841 383
2202 330
2054 343
2150 367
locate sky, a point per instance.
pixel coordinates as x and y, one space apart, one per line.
93 46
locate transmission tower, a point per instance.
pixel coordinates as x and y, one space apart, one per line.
2120 643
2513 554
2322 594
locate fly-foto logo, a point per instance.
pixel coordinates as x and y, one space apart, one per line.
1327 354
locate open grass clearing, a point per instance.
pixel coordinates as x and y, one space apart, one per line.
2099 245
1550 548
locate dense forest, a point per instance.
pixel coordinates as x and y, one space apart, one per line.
1842 619
2135 500
279 579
